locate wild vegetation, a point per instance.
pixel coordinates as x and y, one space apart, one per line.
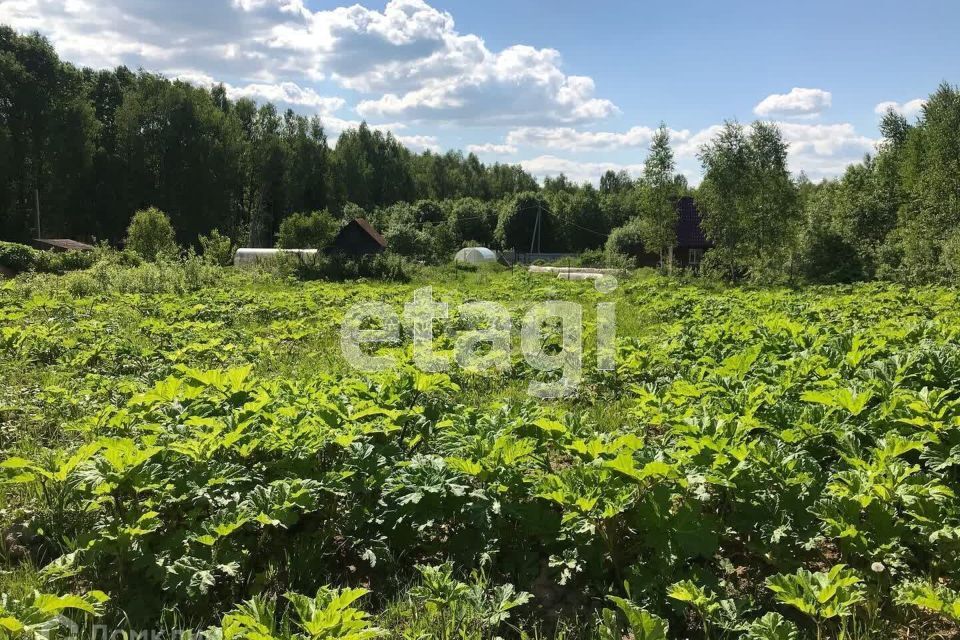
762 464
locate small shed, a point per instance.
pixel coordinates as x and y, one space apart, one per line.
358 238
60 245
475 255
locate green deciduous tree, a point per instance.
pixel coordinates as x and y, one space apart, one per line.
748 200
661 187
307 231
151 235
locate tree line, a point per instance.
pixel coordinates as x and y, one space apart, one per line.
95 146
98 145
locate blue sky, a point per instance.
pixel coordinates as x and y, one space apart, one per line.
558 86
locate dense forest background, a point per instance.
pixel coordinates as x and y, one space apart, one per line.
99 145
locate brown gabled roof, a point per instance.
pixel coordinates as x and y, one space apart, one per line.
66 245
373 233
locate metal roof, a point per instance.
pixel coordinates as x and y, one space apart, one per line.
65 244
373 233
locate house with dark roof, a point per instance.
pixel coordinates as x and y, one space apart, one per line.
692 243
358 238
59 245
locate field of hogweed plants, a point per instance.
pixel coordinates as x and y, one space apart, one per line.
200 460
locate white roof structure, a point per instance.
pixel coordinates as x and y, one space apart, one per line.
475 255
249 257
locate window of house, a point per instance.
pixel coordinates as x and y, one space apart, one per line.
696 255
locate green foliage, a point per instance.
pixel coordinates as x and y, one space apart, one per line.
627 241
210 162
18 257
518 219
150 235
936 599
330 615
43 613
748 200
197 450
473 220
641 624
661 188
217 249
823 595
307 231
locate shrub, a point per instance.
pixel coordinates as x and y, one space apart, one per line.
828 257
18 257
151 235
407 239
63 262
307 230
82 285
951 257
592 258
473 221
387 266
429 211
217 249
626 242
351 211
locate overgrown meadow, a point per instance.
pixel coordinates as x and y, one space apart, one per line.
188 452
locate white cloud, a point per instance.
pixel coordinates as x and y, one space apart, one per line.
552 166
424 69
287 93
420 143
408 60
824 150
570 139
819 150
686 144
799 102
910 109
492 148
284 93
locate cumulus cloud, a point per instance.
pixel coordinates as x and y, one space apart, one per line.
420 143
799 102
287 93
552 166
219 37
910 109
284 93
570 139
519 85
819 150
492 148
408 60
423 69
824 150
685 143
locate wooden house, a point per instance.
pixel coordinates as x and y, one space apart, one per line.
692 243
358 238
